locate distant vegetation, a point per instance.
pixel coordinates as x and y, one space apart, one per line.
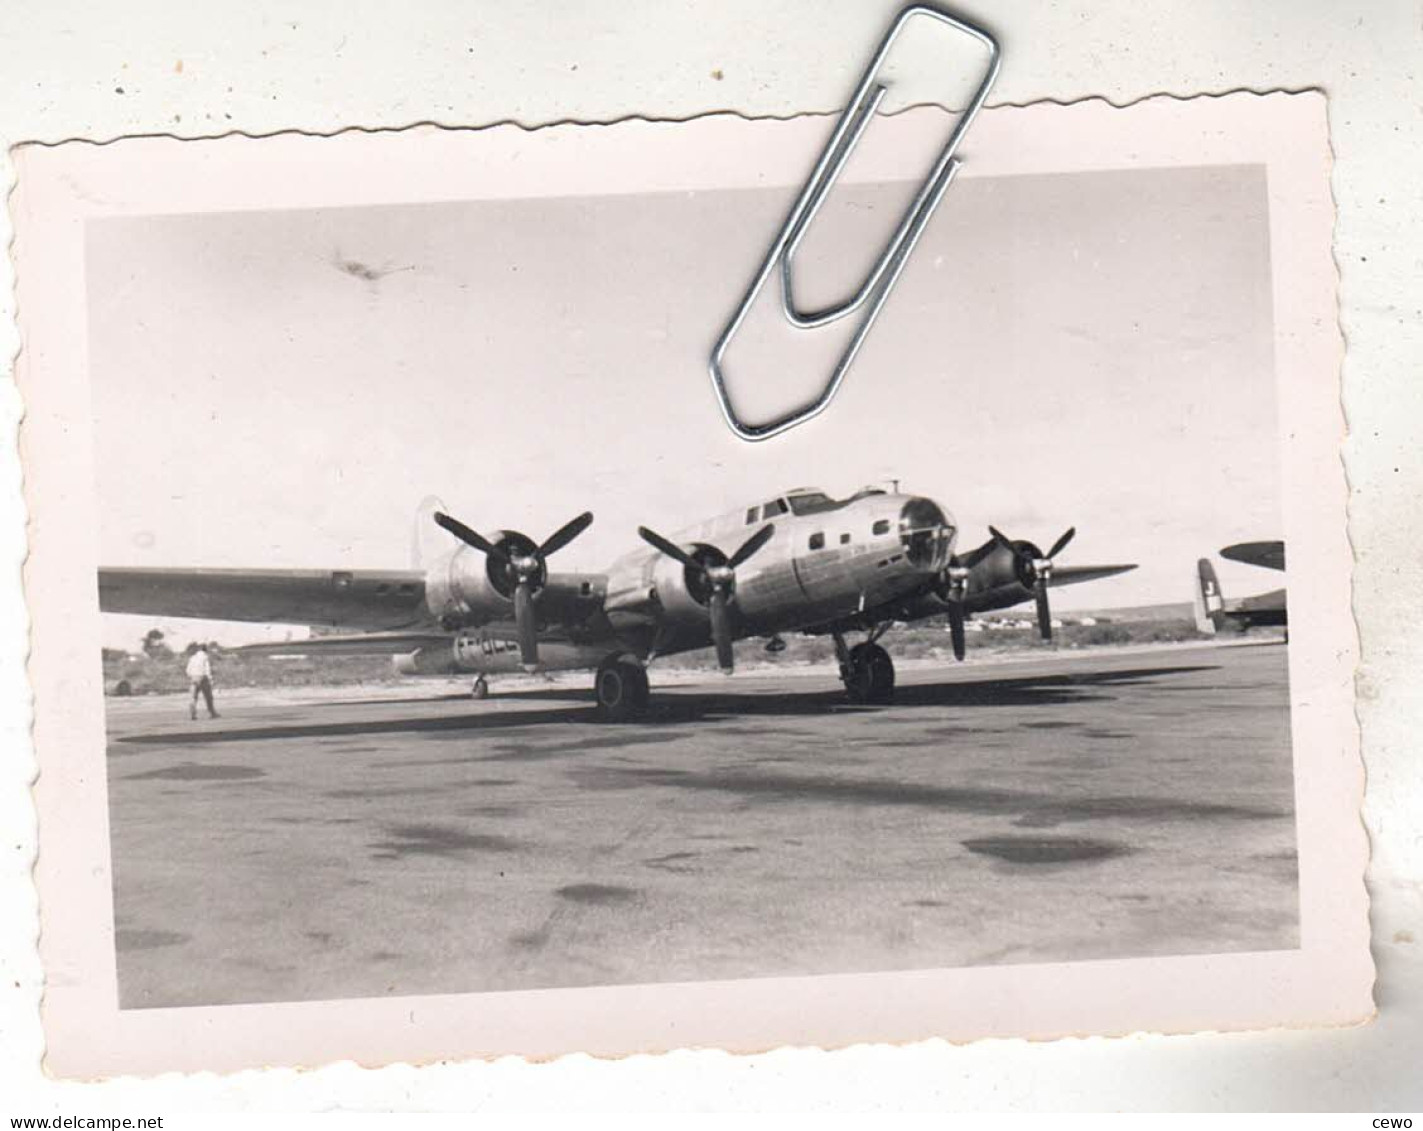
154 668
152 672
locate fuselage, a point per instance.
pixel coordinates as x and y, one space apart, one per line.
826 560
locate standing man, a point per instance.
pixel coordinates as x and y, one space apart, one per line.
200 673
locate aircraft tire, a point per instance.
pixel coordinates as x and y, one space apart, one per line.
620 687
870 675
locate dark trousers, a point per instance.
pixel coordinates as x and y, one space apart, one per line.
202 687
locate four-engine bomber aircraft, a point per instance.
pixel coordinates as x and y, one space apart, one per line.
802 562
1213 611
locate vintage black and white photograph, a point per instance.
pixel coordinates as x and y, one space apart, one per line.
449 643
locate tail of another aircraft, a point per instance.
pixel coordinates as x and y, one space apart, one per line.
1209 602
427 541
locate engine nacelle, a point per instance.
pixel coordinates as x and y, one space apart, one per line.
1002 569
997 580
471 588
685 593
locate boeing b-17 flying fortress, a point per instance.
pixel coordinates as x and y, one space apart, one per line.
798 562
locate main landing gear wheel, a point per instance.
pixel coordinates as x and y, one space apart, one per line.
480 690
868 673
621 690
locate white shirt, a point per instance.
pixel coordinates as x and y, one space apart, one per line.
199 667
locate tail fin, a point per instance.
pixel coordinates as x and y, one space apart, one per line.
427 541
1209 601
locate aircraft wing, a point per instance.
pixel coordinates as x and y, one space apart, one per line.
1270 555
1071 575
373 600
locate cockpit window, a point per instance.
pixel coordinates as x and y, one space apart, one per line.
812 502
750 516
773 508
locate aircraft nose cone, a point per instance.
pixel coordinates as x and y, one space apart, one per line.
926 532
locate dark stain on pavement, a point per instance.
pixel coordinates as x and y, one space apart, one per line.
438 840
902 744
370 791
1034 808
195 771
125 939
530 753
1045 849
673 862
597 895
1052 813
530 940
490 811
1049 724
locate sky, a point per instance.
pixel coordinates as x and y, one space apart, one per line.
280 389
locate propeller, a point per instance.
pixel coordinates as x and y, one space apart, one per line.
720 578
1035 570
952 583
525 569
956 630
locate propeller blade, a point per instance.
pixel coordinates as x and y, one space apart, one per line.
470 537
721 630
671 549
1044 613
751 545
1002 540
956 631
1061 543
527 625
566 533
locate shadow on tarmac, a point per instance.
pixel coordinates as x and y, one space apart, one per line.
675 708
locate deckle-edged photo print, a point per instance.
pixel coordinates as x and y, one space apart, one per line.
423 668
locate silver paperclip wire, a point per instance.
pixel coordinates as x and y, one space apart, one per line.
887 268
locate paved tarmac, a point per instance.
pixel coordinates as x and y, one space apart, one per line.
330 844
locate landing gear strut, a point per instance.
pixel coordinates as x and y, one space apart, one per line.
866 669
480 690
621 689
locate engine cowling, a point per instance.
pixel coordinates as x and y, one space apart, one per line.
473 588
1002 568
684 593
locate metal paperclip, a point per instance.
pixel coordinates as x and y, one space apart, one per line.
882 277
